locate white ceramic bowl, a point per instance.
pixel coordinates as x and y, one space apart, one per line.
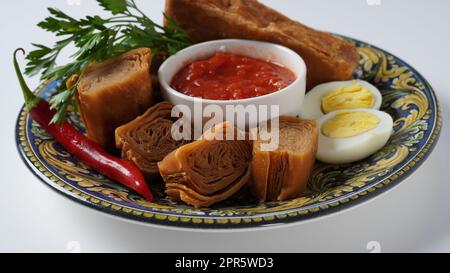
289 99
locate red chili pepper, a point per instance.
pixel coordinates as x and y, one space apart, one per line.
87 151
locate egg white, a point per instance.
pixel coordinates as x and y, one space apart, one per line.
312 106
352 149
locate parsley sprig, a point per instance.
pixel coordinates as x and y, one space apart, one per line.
97 39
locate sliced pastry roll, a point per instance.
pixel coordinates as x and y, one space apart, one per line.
113 93
327 57
283 173
208 170
148 139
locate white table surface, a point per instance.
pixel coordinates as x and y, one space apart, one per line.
414 216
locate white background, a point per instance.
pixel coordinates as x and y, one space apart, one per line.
412 217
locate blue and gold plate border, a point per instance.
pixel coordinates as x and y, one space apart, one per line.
407 96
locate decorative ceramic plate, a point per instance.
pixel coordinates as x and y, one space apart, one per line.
407 96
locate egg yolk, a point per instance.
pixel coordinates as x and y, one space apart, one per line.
349 124
348 97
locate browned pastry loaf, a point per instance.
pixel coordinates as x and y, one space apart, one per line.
148 139
208 170
113 93
283 173
328 58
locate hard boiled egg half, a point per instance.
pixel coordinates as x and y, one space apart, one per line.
351 135
334 96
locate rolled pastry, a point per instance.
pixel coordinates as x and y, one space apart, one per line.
148 139
208 170
283 173
327 57
113 93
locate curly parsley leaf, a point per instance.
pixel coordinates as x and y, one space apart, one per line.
114 6
97 39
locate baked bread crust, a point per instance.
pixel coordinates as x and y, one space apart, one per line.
327 57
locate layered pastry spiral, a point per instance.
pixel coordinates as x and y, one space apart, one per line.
208 170
148 139
283 173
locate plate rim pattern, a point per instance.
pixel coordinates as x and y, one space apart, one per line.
242 222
